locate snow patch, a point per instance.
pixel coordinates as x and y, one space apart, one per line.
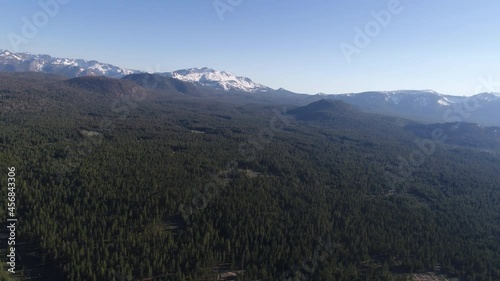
63 65
218 79
443 102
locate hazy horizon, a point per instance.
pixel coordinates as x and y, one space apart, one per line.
318 46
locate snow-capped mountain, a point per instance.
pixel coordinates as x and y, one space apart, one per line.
428 105
21 62
423 105
401 100
221 80
423 97
488 96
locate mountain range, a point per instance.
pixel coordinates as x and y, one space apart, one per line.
23 62
421 105
149 140
220 80
428 106
177 175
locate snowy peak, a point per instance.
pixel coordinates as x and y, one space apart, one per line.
8 56
421 97
488 96
418 98
24 62
20 62
412 92
221 80
428 106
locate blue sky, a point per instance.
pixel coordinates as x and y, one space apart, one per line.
446 45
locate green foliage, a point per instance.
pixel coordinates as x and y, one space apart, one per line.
313 201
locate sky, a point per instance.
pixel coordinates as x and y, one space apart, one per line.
330 46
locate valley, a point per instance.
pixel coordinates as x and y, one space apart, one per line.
153 178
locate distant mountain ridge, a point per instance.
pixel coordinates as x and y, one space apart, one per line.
23 62
462 134
322 110
220 80
427 106
420 105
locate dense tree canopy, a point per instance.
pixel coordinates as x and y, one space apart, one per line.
178 188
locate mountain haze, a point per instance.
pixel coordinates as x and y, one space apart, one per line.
420 105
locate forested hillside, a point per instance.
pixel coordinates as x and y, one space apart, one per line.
119 181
